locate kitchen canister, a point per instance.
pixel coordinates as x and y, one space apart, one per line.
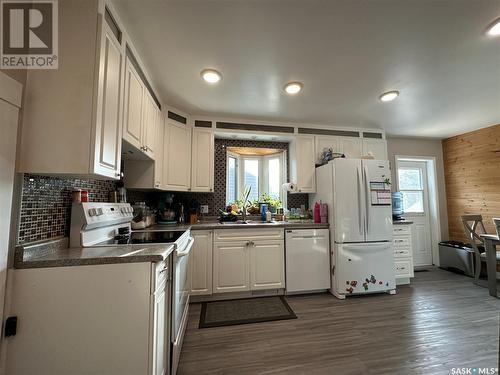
263 210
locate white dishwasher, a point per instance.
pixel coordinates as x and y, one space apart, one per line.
307 260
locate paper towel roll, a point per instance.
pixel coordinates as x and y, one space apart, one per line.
290 186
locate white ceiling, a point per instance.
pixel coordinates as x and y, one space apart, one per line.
346 52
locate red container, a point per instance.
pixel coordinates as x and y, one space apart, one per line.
317 213
85 196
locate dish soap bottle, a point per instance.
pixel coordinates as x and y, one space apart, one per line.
268 216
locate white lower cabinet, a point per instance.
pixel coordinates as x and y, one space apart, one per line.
248 264
267 265
100 319
403 254
200 265
231 267
160 336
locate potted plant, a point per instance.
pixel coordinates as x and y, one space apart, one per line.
273 203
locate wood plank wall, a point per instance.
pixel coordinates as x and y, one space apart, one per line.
472 174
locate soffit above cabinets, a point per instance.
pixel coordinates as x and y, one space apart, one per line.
435 53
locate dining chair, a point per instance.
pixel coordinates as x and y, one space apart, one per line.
473 225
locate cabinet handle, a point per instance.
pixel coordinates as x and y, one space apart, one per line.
119 174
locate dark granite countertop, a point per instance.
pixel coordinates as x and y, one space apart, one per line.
56 254
235 225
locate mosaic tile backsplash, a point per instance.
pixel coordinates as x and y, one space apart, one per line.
46 204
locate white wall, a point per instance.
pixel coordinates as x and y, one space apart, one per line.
423 147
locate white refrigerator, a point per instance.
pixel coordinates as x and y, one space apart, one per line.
358 195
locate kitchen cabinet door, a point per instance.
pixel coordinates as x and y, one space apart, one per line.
322 142
200 269
158 167
303 164
352 148
107 144
202 173
231 269
150 126
133 107
376 146
267 265
177 157
160 337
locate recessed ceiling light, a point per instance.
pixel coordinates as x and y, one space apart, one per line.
211 75
494 28
293 87
389 96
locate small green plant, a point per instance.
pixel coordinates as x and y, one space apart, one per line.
387 180
273 202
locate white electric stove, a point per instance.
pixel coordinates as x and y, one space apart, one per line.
109 224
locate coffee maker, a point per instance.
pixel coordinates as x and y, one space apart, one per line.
166 211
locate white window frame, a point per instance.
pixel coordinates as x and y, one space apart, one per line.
423 182
237 157
263 172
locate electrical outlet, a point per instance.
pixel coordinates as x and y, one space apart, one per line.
204 209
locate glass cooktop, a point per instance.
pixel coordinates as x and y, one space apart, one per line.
141 238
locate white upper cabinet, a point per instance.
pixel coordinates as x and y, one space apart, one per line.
323 142
202 172
150 126
107 145
158 168
351 147
177 156
133 112
303 163
147 174
378 147
140 122
72 118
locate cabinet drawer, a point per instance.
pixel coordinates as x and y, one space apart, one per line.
403 268
401 229
248 234
402 253
402 242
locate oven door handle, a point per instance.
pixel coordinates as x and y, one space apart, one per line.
188 248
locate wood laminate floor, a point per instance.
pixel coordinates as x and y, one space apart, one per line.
440 322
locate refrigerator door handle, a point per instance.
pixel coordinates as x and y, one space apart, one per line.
367 246
360 208
367 187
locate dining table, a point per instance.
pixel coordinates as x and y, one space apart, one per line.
491 241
